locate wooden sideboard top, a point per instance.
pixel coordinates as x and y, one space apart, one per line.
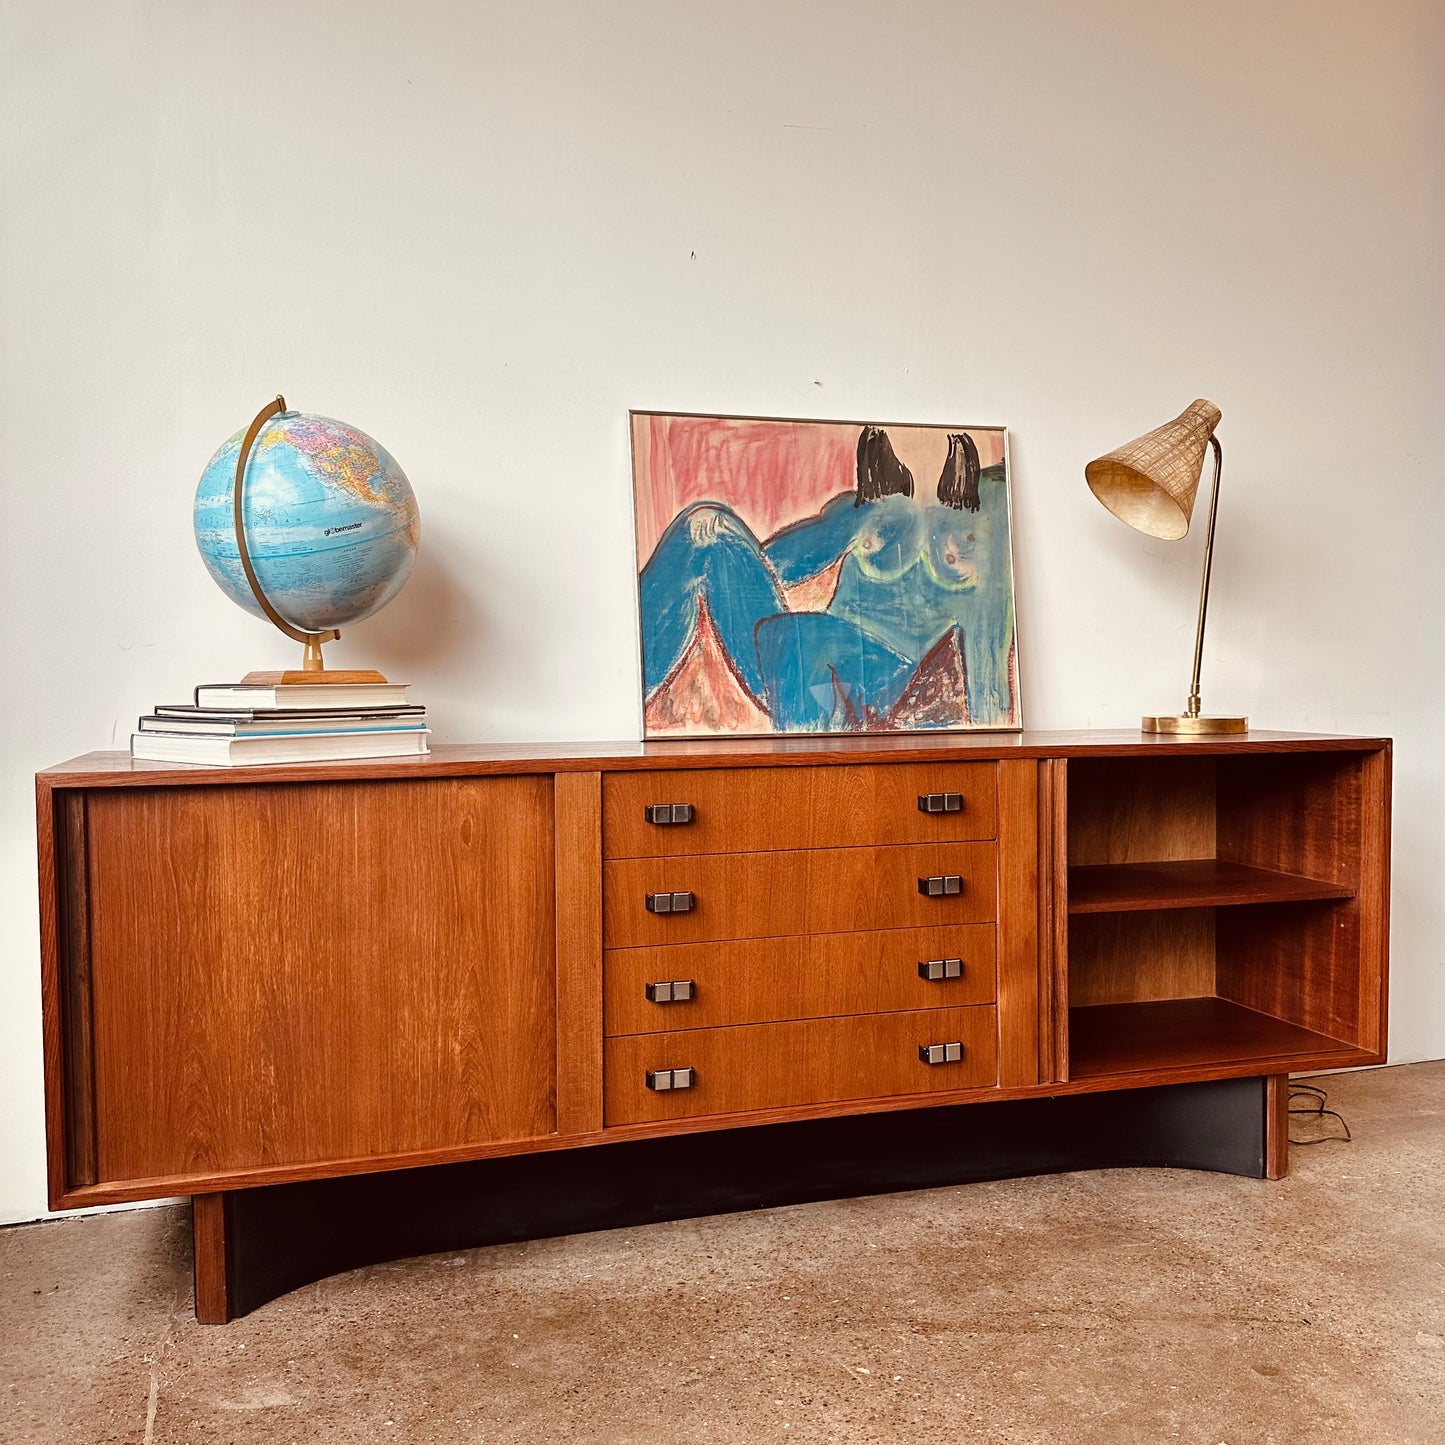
118 769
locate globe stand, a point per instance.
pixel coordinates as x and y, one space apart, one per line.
312 669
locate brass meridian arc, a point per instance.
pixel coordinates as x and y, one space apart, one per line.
311 659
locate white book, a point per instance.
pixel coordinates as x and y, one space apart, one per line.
264 696
291 724
224 752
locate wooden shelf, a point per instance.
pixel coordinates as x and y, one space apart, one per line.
1195 883
1183 1033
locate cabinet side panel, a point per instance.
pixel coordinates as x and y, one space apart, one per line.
1299 962
77 1021
1298 813
1058 842
579 952
296 973
1319 965
65 991
1374 899
1018 924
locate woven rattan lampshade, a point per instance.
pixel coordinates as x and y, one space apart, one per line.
1150 482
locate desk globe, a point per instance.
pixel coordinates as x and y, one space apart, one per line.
308 522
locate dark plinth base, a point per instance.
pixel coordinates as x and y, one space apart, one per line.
255 1244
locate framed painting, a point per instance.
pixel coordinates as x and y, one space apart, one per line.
822 576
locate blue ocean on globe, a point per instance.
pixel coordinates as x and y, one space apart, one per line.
331 521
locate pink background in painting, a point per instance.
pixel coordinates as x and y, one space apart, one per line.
771 473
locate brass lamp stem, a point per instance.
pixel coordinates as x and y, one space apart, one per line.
1192 710
1192 722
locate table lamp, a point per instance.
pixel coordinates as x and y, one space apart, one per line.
1151 483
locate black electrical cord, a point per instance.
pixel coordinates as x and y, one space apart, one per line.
1315 1109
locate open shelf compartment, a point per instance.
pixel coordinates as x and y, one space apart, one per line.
1214 914
1189 883
1129 1038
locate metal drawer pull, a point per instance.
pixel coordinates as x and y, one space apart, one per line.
941 1053
667 1081
677 990
941 885
940 802
667 815
670 902
934 969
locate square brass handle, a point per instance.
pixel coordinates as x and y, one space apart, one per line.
941 885
941 1053
668 815
671 902
936 969
675 990
940 802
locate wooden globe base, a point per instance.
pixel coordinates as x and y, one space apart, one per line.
295 675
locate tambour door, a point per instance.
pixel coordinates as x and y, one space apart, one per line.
290 973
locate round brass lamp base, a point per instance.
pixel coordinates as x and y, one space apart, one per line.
1195 726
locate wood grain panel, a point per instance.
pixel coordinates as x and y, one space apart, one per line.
1188 1033
1276 1126
120 770
293 973
56 856
208 1259
578 815
1300 963
822 890
78 1027
763 809
1374 900
764 980
1057 904
1195 883
1298 814
1323 967
769 1066
1140 811
1018 924
1139 957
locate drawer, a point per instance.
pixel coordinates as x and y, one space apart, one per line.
813 1061
821 890
747 810
762 980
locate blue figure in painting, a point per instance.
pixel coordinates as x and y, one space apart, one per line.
909 622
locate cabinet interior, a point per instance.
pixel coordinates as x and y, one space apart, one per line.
1212 909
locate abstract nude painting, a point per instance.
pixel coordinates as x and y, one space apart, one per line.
822 577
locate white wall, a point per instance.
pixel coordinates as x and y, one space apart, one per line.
483 231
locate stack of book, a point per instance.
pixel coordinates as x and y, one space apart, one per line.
232 724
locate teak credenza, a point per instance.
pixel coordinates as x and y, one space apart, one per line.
258 976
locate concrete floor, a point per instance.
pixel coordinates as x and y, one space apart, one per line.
1129 1306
